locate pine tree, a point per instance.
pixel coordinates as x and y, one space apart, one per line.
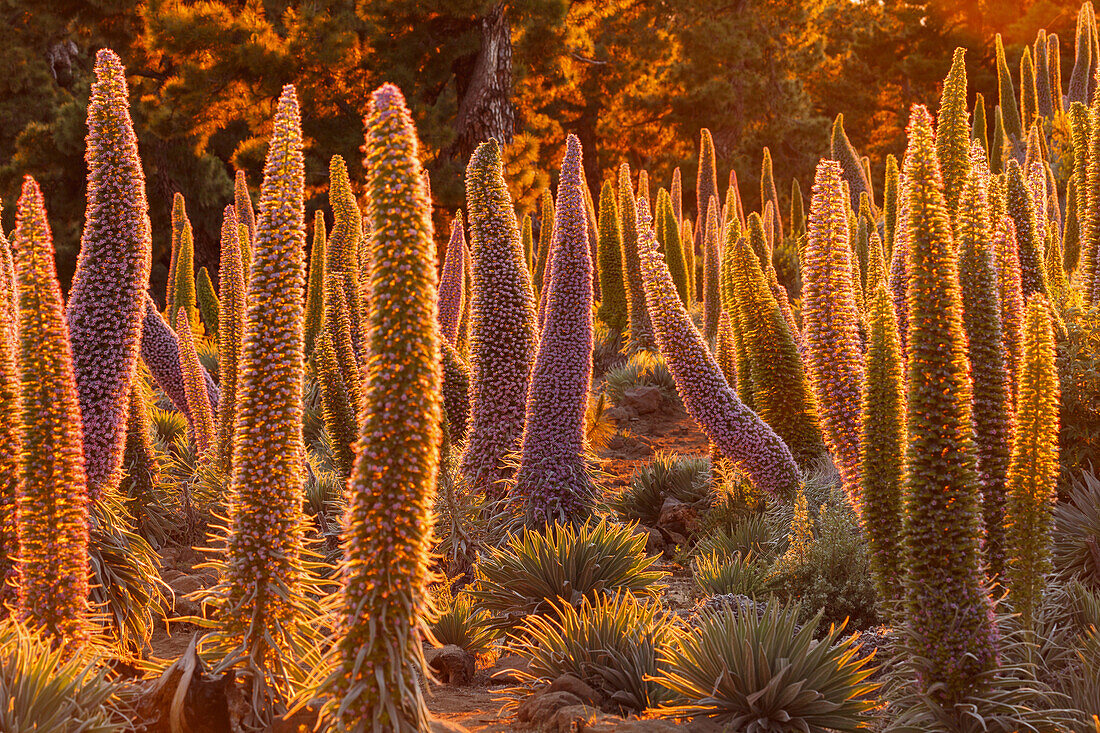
503 324
262 602
553 480
831 325
942 501
52 503
640 333
105 304
882 445
738 433
1033 469
231 334
613 310
952 135
315 285
981 306
387 535
452 296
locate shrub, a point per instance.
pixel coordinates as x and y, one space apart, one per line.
458 622
736 574
668 475
537 567
642 369
753 535
613 643
1077 532
761 673
47 690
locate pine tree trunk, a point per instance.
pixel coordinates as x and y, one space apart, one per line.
485 110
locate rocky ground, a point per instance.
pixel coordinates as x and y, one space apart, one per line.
471 697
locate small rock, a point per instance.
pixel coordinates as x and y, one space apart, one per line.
578 687
678 517
453 665
505 671
644 400
621 413
171 575
186 584
446 726
572 719
543 705
654 542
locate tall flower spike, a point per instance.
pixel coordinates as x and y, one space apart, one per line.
553 479
462 346
676 192
668 234
160 350
737 347
947 605
712 305
315 285
184 284
528 238
1029 93
1010 112
546 238
387 530
52 509
768 192
643 184
202 415
882 445
10 431
952 133
503 324
1082 60
208 302
1086 275
738 433
452 295
981 303
1054 62
1011 299
242 204
979 128
108 291
1021 207
456 392
831 325
781 393
341 420
609 251
706 185
343 244
260 602
890 205
338 327
841 150
641 329
179 218
234 302
1033 470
